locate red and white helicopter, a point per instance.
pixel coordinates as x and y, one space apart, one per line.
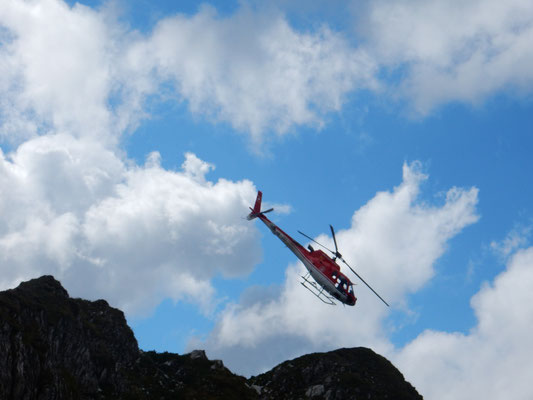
324 279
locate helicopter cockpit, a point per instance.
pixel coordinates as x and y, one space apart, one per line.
341 283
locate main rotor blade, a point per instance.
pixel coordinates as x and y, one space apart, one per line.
333 234
337 254
313 240
370 287
267 211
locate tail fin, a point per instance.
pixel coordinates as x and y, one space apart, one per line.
257 207
256 211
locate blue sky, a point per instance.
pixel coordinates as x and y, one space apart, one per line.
134 135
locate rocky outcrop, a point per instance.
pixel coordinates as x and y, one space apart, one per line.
52 346
343 374
190 376
56 347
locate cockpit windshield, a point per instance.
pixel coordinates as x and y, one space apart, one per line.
342 284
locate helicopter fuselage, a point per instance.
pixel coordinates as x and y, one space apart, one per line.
325 271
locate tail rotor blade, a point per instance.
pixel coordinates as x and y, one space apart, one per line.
362 280
267 211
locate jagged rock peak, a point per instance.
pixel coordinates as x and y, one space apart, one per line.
343 374
56 347
198 354
53 346
46 284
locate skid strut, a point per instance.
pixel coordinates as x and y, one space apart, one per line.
318 292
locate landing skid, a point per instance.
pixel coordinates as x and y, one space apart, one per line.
317 291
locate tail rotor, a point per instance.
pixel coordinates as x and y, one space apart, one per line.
256 211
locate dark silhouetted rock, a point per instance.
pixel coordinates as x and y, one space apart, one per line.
56 347
343 374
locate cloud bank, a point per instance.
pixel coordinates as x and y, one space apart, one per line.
493 360
56 70
254 70
451 52
82 71
134 235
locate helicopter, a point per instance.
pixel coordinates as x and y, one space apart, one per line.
324 277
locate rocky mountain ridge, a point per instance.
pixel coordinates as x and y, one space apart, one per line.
56 347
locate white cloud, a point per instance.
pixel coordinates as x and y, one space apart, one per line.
57 68
492 361
452 51
131 234
253 70
393 242
517 238
79 70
